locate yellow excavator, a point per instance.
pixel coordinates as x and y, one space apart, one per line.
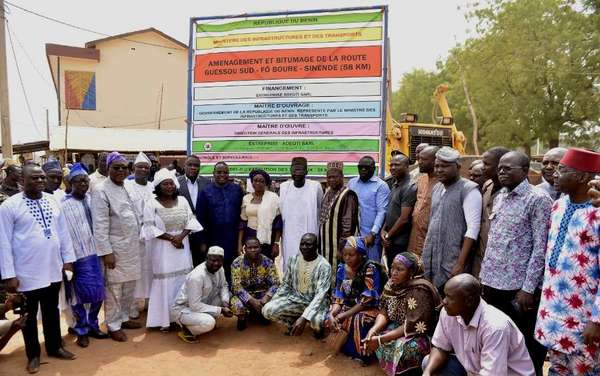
404 135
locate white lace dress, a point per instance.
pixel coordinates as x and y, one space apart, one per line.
169 264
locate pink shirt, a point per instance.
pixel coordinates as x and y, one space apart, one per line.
490 345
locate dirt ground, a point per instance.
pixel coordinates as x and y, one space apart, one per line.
256 351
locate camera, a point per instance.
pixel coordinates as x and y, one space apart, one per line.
19 303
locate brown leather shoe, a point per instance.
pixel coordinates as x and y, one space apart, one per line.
131 325
118 335
33 366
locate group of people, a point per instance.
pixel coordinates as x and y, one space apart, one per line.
425 271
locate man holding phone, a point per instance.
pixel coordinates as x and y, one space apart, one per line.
8 328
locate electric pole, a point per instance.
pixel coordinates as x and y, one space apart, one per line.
7 150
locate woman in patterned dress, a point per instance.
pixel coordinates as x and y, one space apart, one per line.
355 302
401 334
254 281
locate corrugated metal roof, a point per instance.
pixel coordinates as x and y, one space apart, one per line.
125 140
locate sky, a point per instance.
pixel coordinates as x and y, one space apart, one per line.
421 33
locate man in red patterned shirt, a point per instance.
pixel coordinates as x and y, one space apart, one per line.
568 321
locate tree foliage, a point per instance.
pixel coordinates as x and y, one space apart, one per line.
533 72
415 94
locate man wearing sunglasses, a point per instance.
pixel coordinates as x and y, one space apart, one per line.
117 232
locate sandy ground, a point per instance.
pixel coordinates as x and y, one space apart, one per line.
256 351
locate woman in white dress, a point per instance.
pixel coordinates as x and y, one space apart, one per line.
168 220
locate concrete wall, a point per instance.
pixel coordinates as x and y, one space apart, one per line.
129 77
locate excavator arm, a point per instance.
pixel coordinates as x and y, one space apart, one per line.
440 97
459 139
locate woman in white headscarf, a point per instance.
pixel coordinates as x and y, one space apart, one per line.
168 220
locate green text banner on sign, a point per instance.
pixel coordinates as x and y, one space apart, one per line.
292 21
245 169
269 86
299 145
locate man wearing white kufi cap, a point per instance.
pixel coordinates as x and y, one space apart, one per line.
203 297
141 192
454 221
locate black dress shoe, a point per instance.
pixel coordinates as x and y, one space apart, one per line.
63 354
131 325
33 366
97 334
83 341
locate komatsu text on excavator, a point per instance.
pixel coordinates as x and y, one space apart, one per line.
404 135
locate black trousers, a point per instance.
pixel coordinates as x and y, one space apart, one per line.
525 321
47 298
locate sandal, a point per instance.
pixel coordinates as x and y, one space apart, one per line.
187 338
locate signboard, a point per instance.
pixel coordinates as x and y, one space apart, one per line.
265 88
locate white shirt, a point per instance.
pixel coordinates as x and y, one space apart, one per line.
59 195
472 205
78 225
489 345
299 212
193 189
95 179
140 195
200 288
34 241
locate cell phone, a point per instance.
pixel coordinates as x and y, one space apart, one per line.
19 304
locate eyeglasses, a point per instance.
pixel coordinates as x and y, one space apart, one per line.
119 168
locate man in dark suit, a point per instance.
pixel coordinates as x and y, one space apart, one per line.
191 184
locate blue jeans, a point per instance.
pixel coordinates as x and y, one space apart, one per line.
451 368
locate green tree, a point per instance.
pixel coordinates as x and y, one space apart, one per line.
533 72
415 94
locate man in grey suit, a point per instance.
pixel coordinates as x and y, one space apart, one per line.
191 184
